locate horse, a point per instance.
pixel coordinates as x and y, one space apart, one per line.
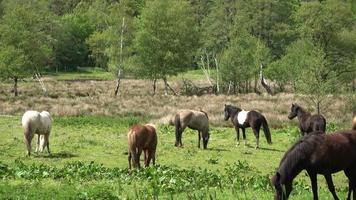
142 138
34 122
354 122
307 123
318 153
196 120
244 119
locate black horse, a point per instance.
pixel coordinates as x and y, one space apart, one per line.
244 119
318 153
307 123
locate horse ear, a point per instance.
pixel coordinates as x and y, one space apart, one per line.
293 104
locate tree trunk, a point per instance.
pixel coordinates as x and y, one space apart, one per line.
264 83
154 87
119 74
167 86
217 76
118 82
15 86
229 88
318 107
38 77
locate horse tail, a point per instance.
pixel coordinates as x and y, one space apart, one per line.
206 114
266 130
354 123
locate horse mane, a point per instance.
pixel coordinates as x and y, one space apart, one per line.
301 150
301 108
234 108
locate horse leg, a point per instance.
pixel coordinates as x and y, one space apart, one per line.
46 137
331 187
139 151
199 138
150 157
129 157
28 138
257 135
146 155
38 144
352 184
314 184
244 136
180 136
237 136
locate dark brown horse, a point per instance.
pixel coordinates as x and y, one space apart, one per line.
196 120
142 138
318 153
244 119
307 122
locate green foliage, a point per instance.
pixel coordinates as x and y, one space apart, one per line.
25 37
166 38
240 62
72 51
268 20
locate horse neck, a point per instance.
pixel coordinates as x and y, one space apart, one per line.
289 169
302 114
233 112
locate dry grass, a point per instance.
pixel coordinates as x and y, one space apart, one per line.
96 98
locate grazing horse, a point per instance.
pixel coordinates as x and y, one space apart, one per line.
244 119
307 122
318 153
142 138
196 120
34 122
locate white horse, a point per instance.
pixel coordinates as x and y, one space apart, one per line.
34 122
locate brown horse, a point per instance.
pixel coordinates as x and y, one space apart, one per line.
307 122
244 119
142 138
196 120
318 153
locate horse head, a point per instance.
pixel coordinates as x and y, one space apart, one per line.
293 111
206 140
281 192
230 111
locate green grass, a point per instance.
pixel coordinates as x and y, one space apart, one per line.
82 74
89 161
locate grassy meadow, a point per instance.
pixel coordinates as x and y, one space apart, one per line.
89 144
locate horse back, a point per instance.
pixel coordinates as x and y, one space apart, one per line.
31 119
198 121
143 137
317 123
333 152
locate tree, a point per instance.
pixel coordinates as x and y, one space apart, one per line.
71 51
25 37
166 39
304 65
240 62
330 25
268 20
110 44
